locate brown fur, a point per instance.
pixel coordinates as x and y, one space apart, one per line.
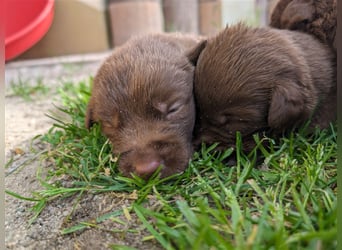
143 99
316 17
261 79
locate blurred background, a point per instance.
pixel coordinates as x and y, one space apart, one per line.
93 26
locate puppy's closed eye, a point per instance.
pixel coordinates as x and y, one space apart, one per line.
173 110
169 111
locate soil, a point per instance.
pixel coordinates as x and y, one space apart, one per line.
26 119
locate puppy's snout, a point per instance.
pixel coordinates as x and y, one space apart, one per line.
146 169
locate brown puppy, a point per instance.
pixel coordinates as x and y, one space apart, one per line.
316 17
143 98
260 79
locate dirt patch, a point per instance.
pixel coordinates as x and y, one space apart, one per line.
26 119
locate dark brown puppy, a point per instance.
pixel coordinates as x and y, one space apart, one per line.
143 98
260 79
316 17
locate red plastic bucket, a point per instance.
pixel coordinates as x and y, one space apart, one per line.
26 22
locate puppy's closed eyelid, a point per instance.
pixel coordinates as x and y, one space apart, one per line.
173 110
175 106
166 109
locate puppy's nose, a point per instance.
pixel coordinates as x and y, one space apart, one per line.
146 169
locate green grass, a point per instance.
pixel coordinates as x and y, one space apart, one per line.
28 91
288 201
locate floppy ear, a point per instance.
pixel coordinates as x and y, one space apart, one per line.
297 14
277 13
89 118
194 53
289 106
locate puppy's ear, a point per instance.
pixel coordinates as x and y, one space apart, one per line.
289 107
297 14
277 12
195 52
89 118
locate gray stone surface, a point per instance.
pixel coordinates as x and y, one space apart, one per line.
26 119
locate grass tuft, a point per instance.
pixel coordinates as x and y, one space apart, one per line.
286 201
28 91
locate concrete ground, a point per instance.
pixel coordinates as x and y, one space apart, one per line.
26 119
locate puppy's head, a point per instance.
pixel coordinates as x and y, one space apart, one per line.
143 98
248 80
